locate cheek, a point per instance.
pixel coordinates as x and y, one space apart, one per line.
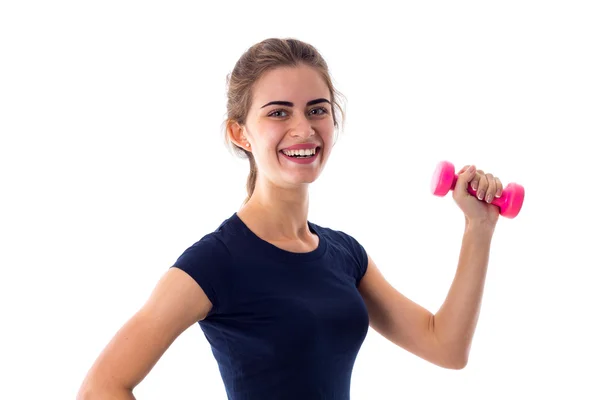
328 134
271 135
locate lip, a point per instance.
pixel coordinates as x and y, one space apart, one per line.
303 146
309 160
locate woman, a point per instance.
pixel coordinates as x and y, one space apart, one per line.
286 303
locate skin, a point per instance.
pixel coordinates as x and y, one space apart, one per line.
278 208
278 213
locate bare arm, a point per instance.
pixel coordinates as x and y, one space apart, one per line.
176 303
401 320
455 322
443 339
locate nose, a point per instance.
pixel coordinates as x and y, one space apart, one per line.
303 127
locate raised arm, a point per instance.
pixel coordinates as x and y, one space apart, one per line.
176 303
443 338
402 321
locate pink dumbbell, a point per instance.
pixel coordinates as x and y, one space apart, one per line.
510 201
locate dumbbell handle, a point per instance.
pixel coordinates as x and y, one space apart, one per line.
497 201
509 202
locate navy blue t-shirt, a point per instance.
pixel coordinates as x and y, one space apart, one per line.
283 325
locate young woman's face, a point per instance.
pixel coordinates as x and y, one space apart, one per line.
290 107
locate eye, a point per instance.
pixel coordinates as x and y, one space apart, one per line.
323 109
273 113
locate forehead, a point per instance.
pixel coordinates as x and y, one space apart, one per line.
301 83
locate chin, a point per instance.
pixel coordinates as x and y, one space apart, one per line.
301 180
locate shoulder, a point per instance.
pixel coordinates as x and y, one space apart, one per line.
213 244
339 237
208 261
347 244
209 247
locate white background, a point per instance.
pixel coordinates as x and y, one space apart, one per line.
112 164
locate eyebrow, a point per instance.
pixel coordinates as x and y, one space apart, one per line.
290 104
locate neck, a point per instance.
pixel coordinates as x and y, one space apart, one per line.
279 213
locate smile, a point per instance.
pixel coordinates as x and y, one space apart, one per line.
304 156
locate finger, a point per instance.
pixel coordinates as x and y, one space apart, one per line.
482 185
499 187
475 182
491 190
463 169
465 175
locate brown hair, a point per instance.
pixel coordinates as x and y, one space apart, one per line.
258 59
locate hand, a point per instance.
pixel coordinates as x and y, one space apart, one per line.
487 187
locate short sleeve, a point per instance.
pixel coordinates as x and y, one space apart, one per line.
208 263
358 253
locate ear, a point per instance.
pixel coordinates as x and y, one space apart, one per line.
235 132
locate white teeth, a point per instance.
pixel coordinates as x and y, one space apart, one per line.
307 152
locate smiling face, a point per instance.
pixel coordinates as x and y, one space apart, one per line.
290 110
